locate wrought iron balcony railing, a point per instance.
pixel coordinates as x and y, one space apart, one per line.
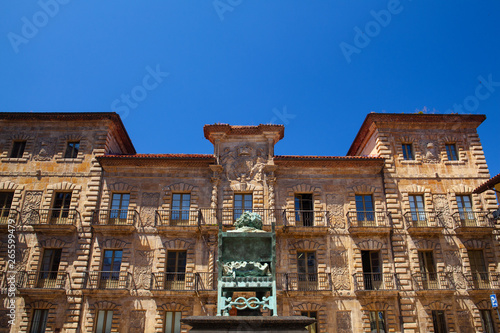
363 219
303 281
483 280
375 281
41 279
115 217
434 281
185 217
473 219
422 219
8 214
109 280
183 281
306 218
227 216
53 216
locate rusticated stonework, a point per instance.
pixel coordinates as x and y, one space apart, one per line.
137 322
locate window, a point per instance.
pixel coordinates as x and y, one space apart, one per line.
417 210
60 210
119 208
408 151
311 314
304 211
242 203
173 322
439 321
372 270
180 208
465 210
176 270
478 269
5 203
377 322
18 149
111 263
427 270
39 321
47 277
364 210
104 321
451 151
72 149
306 269
487 320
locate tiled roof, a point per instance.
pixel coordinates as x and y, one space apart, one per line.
414 118
487 185
75 116
158 156
295 157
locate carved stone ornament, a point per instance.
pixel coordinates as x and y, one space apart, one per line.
340 269
32 203
148 207
244 163
442 208
45 149
431 155
137 321
142 269
344 323
335 207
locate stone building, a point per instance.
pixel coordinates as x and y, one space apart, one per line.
389 238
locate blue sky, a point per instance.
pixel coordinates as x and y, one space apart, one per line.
301 63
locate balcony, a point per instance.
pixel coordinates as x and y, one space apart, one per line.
167 219
434 281
304 282
55 220
480 281
114 221
374 282
473 222
306 220
368 222
423 222
42 280
202 281
108 280
6 215
227 216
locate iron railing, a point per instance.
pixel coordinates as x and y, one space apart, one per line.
53 216
41 279
118 217
306 218
8 214
422 219
483 280
374 281
183 281
434 281
227 216
473 219
303 281
186 218
359 219
109 280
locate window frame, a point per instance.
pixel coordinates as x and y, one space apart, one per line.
304 217
69 153
16 150
452 152
60 211
489 327
176 320
237 212
180 214
39 329
439 319
379 323
313 328
104 328
6 199
407 148
364 215
119 214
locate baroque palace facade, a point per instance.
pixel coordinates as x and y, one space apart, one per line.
389 238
